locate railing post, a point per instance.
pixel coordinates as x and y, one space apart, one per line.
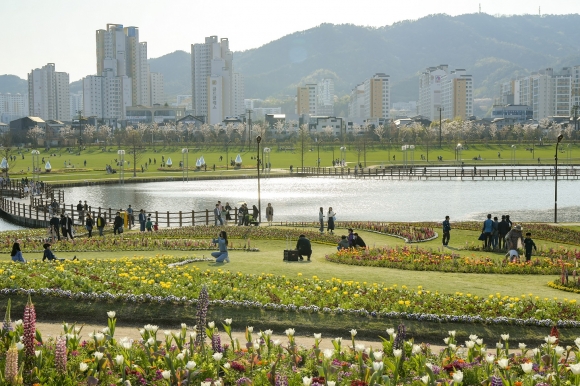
180 219
236 215
206 217
193 218
157 217
167 219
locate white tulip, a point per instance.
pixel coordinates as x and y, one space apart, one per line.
119 359
527 367
227 366
451 333
391 331
452 346
425 379
505 336
276 342
105 330
268 332
338 340
166 332
550 339
190 365
559 350
429 365
503 363
446 340
317 336
378 366
228 321
166 374
217 356
469 344
490 358
19 323
180 356
307 381
499 345
250 329
328 353
37 353
111 314
331 383
353 332
83 367
416 349
359 347
397 353
522 346
150 341
289 332
479 342
183 325
378 355
473 337
577 341
19 346
458 376
98 355
574 368
211 325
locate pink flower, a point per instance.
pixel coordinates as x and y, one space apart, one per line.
29 324
60 355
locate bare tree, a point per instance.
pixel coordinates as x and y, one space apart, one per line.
134 139
88 134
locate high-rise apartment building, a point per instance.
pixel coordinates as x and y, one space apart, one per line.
306 99
76 104
446 94
377 95
48 93
217 91
457 95
549 93
106 97
156 88
12 106
356 106
325 97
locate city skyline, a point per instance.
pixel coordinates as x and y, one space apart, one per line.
248 25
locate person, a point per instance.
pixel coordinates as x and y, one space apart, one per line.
350 238
89 223
358 242
118 224
142 220
503 229
222 242
304 247
487 229
270 214
227 210
495 233
513 237
69 227
149 225
217 215
513 255
16 253
48 254
155 226
330 215
80 210
63 225
528 245
255 213
222 213
241 215
446 231
343 243
509 222
54 223
321 219
131 220
100 224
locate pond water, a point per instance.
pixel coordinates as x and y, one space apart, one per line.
298 199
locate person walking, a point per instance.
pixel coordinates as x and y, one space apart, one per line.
100 224
269 214
149 225
495 233
131 220
80 212
321 219
487 230
513 237
529 245
16 253
222 243
63 225
330 215
227 210
446 231
118 224
142 220
89 223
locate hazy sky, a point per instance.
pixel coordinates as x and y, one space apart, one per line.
36 32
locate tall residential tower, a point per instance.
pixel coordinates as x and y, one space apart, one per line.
48 93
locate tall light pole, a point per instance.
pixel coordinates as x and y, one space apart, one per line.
258 139
185 163
318 149
249 128
556 180
440 122
227 155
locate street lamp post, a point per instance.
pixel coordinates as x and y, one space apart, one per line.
185 163
440 121
513 155
258 139
318 150
35 165
227 155
556 180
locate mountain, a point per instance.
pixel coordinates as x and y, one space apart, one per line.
491 48
13 84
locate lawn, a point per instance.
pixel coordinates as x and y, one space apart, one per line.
96 159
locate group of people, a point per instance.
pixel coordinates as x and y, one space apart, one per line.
331 218
16 253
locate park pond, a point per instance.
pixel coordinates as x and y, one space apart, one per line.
299 199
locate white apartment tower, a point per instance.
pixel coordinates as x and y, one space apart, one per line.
48 93
430 91
12 106
356 106
217 91
325 97
457 95
106 97
156 88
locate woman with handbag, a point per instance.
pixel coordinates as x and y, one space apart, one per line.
331 216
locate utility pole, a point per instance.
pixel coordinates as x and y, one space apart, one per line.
249 128
440 110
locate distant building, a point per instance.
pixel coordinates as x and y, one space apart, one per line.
156 88
157 114
446 94
106 97
316 98
76 104
306 99
12 106
356 107
217 91
430 91
371 99
519 113
48 93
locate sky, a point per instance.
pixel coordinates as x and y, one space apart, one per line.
36 32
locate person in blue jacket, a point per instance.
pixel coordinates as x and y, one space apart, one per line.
48 254
222 242
16 253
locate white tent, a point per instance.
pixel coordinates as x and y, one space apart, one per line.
169 162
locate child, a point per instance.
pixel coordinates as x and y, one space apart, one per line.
48 254
343 243
149 224
528 245
156 227
513 255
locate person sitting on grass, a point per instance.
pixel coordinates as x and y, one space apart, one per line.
304 247
358 242
48 254
343 243
222 242
16 253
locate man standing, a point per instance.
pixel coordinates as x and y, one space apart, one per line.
142 220
503 229
446 231
487 229
100 224
131 220
54 223
80 211
69 225
63 225
217 215
118 224
304 247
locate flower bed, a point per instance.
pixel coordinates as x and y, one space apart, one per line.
418 259
207 355
141 280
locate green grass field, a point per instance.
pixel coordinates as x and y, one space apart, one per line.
96 159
